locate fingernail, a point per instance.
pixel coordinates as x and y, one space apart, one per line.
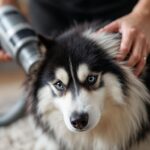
119 57
9 57
131 63
100 30
124 48
136 73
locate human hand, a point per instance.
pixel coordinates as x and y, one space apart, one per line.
4 56
135 42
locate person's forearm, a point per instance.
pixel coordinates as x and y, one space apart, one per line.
143 8
5 2
142 11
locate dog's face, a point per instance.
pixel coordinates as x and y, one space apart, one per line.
78 94
76 80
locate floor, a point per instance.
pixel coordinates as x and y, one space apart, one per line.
19 136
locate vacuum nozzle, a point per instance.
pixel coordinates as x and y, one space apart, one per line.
18 38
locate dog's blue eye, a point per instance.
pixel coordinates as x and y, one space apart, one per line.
91 80
59 86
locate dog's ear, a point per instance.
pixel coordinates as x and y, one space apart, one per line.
47 42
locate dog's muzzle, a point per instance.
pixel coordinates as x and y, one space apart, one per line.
79 120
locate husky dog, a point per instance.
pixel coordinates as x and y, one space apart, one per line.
83 99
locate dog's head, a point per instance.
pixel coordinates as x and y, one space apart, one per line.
77 77
79 80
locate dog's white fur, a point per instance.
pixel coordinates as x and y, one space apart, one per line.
83 72
113 116
107 41
62 75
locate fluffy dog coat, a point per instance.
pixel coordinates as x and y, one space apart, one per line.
79 76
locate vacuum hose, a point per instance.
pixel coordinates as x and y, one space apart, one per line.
19 40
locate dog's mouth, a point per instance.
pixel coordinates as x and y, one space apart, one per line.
82 130
76 130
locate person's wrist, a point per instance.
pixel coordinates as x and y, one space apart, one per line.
142 8
141 12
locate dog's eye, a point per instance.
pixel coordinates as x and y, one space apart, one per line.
91 80
59 86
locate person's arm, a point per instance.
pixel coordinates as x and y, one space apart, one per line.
135 29
10 2
4 56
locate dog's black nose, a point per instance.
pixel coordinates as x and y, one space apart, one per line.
79 120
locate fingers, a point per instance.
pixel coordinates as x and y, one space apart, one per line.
126 43
140 66
134 47
4 57
139 54
112 27
137 51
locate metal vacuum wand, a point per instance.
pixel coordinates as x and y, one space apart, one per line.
20 41
18 38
